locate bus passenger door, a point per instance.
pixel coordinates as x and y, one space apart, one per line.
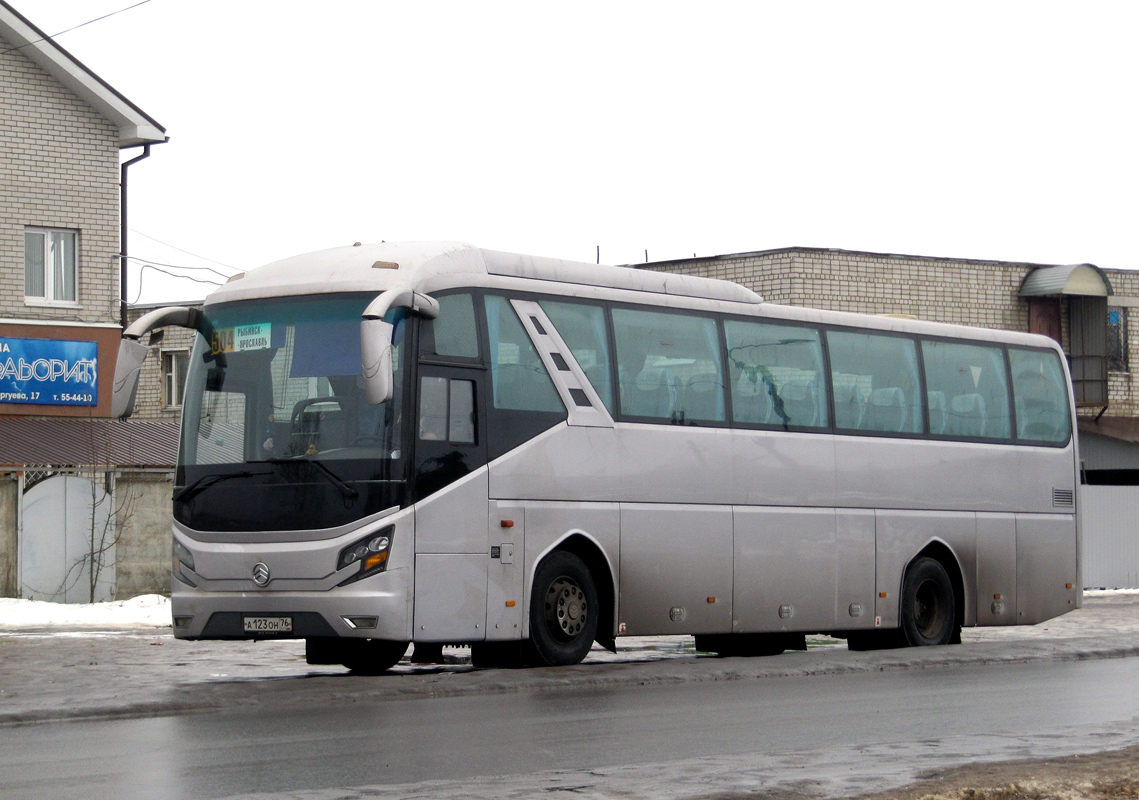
451 505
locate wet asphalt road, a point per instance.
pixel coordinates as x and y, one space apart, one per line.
996 709
137 714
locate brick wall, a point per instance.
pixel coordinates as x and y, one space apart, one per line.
142 552
1123 387
59 168
982 293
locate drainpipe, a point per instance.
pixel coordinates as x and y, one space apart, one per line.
123 234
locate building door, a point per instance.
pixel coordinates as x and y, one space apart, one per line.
1088 351
1044 317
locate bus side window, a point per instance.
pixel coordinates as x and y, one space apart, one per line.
447 410
668 366
881 373
1041 396
454 333
776 372
582 328
519 380
968 390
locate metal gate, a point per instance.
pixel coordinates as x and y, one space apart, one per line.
1111 537
67 539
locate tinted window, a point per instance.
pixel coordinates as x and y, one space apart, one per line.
875 381
518 378
668 366
1041 394
447 410
582 328
776 374
967 390
453 334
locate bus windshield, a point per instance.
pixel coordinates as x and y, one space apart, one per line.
276 431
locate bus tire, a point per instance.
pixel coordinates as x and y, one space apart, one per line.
928 610
372 656
563 610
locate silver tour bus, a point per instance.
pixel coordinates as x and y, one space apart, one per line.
438 444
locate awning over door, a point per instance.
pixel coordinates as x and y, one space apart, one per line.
1084 289
1084 280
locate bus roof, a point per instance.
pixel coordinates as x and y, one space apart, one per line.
376 267
431 266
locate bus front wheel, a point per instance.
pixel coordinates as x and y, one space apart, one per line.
563 610
928 611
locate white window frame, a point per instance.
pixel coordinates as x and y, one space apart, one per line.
52 294
170 385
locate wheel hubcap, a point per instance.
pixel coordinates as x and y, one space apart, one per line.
929 610
566 609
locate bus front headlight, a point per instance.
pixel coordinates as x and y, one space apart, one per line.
182 557
371 553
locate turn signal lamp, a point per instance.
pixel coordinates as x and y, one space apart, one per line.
371 553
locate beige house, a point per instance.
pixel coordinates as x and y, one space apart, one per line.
62 222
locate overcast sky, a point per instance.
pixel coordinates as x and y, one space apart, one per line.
978 130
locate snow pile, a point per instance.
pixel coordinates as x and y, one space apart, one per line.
150 610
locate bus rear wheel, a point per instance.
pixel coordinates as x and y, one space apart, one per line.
928 609
563 610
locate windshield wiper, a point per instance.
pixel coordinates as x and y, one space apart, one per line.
332 477
206 481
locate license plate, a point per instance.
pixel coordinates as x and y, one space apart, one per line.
268 624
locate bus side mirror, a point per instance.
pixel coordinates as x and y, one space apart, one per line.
127 368
132 353
376 359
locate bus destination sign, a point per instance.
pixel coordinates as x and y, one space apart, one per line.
241 338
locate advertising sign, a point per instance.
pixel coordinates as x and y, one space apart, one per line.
49 372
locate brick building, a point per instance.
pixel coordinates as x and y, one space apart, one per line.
61 131
62 188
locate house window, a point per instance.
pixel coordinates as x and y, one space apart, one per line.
174 364
50 264
1117 340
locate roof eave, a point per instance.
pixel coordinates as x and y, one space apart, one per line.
135 126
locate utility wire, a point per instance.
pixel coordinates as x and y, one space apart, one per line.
187 252
154 263
145 267
74 27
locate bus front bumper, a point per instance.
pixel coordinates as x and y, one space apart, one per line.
378 607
